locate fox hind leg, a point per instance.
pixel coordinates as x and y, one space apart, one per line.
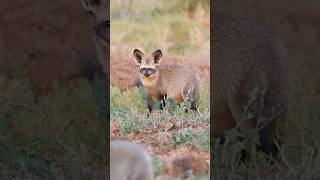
162 101
190 95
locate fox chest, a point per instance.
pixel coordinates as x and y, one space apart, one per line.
148 82
153 93
159 93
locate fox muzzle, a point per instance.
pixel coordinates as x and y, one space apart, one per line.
147 71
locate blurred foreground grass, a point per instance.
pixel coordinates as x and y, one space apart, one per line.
299 155
49 137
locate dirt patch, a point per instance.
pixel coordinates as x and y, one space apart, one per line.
157 139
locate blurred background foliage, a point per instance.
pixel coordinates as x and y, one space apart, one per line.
178 27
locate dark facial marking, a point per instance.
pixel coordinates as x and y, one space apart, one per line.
147 71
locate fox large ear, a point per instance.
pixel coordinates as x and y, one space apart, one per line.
157 57
137 56
88 4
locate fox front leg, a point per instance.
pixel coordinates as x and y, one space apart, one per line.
150 105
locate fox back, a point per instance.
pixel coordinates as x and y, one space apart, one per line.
129 161
177 82
250 83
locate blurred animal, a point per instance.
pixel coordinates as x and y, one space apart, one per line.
249 77
129 161
101 25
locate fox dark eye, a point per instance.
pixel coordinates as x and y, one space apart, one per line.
103 30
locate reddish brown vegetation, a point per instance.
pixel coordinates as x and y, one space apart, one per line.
51 38
124 72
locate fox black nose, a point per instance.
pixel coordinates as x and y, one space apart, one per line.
147 71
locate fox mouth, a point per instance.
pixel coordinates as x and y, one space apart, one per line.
147 72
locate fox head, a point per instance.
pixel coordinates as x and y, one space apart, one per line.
98 9
148 65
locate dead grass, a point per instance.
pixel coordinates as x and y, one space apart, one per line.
297 25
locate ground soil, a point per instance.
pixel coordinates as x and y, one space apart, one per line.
158 141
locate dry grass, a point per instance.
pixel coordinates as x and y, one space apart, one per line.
297 24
